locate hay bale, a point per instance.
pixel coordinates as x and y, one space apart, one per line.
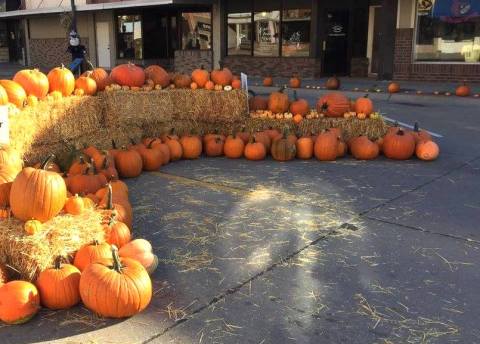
351 127
62 236
51 122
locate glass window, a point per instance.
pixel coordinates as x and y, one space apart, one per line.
239 33
196 31
296 32
448 31
267 33
3 35
129 34
3 5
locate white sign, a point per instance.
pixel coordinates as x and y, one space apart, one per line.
244 80
4 127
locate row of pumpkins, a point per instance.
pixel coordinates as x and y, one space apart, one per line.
333 104
334 83
36 195
30 85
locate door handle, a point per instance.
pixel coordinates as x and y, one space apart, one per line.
324 45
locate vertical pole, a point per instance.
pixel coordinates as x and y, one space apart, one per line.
73 26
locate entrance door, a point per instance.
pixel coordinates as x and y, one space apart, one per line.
335 46
374 38
158 35
15 41
103 44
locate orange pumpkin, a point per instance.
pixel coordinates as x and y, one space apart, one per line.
333 83
209 85
463 90
295 81
3 96
128 75
37 194
333 104
88 182
393 87
255 151
363 149
278 101
364 105
32 227
175 148
7 176
420 135
193 85
19 302
182 81
100 76
129 163
15 92
74 205
58 286
200 76
152 159
398 146
117 233
191 146
268 81
257 102
91 253
87 84
141 251
100 283
79 166
222 76
33 82
234 147
304 147
158 75
427 150
236 84
263 139
244 135
299 106
214 147
62 80
326 146
283 149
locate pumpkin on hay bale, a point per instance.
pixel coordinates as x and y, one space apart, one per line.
61 236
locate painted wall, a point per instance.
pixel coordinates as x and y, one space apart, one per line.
406 14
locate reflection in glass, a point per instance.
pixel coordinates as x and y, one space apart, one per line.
239 33
267 33
196 31
296 32
129 33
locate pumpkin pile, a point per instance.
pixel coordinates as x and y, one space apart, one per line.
333 104
37 194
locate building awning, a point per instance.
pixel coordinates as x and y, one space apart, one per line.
100 7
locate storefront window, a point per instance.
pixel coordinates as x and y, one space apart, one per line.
3 35
296 32
239 33
448 30
129 43
3 5
267 33
196 31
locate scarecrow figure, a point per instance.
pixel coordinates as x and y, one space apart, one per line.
78 52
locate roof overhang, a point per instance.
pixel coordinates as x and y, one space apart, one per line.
101 7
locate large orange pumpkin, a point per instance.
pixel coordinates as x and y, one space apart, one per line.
234 147
304 147
3 96
214 147
128 75
333 104
87 84
222 76
37 194
299 106
175 148
278 101
19 302
398 146
129 163
326 146
158 75
58 286
88 182
200 76
364 149
15 92
364 105
100 76
62 80
283 149
255 150
33 82
100 282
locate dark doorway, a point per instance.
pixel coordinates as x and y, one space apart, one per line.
376 42
335 60
159 35
15 40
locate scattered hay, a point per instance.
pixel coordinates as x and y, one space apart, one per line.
61 236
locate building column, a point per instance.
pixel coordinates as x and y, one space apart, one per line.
388 30
218 32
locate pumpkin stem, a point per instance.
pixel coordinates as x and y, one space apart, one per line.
366 95
95 242
109 197
81 160
90 65
117 265
58 263
105 163
252 93
114 145
400 132
283 88
132 141
45 163
416 128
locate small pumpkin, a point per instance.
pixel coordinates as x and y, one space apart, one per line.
117 232
200 76
87 84
101 280
299 106
255 151
283 149
234 147
295 81
427 150
209 85
141 251
32 227
393 87
89 182
100 76
399 146
222 76
463 90
278 101
74 205
175 148
129 163
304 147
91 253
236 84
19 302
59 286
333 83
364 105
268 81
